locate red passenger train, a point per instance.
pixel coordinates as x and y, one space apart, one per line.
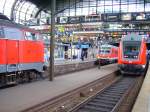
132 56
22 53
107 54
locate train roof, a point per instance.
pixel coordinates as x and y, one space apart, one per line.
132 37
2 16
12 24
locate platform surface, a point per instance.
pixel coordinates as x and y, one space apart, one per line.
21 97
142 103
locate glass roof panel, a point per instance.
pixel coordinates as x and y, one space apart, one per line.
5 7
2 5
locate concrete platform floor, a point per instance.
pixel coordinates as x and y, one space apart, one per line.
142 103
20 97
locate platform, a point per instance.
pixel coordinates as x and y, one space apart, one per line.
21 97
142 103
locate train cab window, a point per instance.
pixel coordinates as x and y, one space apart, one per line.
131 51
105 50
12 33
31 36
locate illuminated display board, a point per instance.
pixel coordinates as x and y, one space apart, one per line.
126 17
111 17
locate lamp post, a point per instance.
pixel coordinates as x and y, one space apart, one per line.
52 40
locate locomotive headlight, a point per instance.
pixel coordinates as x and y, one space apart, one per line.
135 56
125 56
143 66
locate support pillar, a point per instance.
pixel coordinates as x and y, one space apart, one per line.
52 40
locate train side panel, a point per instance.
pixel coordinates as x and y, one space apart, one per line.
12 55
142 55
114 53
12 52
31 55
120 54
31 51
3 55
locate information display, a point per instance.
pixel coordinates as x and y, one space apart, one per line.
126 17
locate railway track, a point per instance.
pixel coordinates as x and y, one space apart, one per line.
110 99
66 101
111 93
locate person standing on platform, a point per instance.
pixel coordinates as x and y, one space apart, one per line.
82 55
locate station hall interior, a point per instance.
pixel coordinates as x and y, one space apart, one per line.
74 55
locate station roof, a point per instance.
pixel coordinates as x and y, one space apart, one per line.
61 5
23 11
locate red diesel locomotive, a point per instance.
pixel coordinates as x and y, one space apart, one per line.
22 53
132 56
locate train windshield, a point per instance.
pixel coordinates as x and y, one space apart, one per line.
131 50
104 50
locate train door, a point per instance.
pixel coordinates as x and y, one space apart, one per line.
13 36
2 51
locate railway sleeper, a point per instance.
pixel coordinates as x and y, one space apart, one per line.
93 109
120 87
117 90
113 92
104 101
111 96
87 110
100 104
108 99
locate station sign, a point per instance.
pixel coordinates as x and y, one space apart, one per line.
93 18
111 17
74 19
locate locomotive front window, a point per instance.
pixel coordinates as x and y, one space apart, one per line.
104 50
131 50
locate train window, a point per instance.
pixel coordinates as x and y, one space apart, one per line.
104 51
13 33
31 36
107 51
131 50
1 33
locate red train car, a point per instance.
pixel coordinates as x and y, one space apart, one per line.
107 54
22 53
132 56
